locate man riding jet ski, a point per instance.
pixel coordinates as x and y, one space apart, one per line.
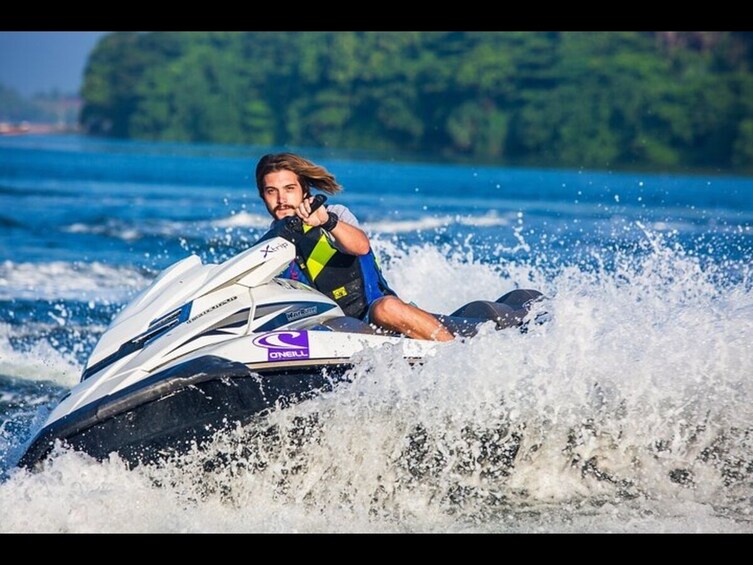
208 345
334 254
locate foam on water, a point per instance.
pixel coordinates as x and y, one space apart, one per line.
629 411
243 219
60 280
429 223
41 361
443 278
130 231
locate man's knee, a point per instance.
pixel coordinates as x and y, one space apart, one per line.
387 308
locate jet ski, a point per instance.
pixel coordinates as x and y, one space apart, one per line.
206 346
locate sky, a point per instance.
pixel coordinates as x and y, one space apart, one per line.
34 62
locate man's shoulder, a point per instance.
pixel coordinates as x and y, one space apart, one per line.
344 213
339 208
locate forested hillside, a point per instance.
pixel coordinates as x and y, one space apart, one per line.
576 99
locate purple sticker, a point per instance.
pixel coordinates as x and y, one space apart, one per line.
284 346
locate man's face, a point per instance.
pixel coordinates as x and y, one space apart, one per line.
281 193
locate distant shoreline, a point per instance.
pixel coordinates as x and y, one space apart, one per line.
29 128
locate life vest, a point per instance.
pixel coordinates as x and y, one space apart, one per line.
354 282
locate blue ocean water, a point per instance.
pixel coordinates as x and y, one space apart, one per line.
629 411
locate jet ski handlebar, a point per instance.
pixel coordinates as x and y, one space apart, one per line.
295 224
292 226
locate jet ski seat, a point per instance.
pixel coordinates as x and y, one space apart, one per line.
347 324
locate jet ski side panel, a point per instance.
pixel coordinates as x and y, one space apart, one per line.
187 404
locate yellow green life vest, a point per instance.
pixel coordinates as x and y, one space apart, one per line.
354 282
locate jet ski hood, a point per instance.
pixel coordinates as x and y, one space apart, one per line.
176 294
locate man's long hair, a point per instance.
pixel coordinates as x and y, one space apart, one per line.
309 174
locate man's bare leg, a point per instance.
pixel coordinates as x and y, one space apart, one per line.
393 314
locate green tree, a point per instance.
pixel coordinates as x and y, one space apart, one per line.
578 99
